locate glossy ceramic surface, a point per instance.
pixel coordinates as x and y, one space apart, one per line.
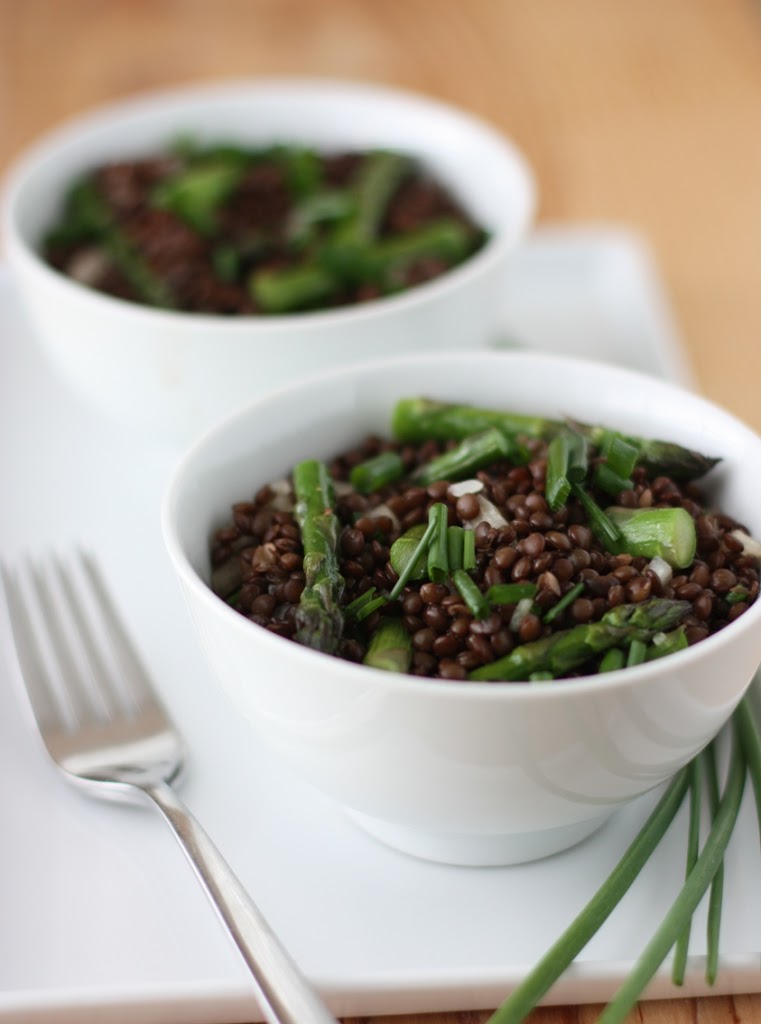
174 374
466 773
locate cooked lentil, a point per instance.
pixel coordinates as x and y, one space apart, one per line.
202 252
557 551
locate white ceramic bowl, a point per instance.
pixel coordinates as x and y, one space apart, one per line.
175 373
475 773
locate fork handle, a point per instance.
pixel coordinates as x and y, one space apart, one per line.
287 998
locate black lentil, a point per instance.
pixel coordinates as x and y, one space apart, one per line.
555 550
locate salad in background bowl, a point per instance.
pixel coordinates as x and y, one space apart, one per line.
173 372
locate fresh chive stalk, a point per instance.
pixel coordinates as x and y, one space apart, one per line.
417 554
620 454
637 652
567 463
291 289
668 533
607 480
473 453
469 551
681 948
372 474
408 555
716 898
667 643
359 603
371 606
612 660
567 599
568 649
600 522
590 919
690 894
455 544
390 647
751 738
478 605
510 593
438 560
557 485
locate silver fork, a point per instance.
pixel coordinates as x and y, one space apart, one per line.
103 725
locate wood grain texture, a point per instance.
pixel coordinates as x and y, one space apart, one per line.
644 113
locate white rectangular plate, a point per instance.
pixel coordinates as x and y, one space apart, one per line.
101 916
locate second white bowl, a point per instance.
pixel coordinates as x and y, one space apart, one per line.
175 373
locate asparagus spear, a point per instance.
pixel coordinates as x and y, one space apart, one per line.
419 419
384 261
291 289
318 617
88 216
390 647
374 473
196 193
568 649
423 419
668 533
471 454
662 457
376 182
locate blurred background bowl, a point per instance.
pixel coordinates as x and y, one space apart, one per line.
173 373
473 773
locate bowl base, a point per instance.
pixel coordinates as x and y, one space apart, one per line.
477 850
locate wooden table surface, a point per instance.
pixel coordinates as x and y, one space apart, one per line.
644 113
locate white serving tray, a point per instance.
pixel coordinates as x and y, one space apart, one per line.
101 917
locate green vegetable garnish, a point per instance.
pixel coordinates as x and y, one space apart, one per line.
566 465
409 555
569 649
422 419
564 950
668 533
292 289
196 193
510 593
390 647
318 616
471 454
438 560
478 604
376 472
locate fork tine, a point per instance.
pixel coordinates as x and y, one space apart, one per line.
140 689
48 705
71 667
100 676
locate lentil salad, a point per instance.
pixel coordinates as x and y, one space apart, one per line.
225 230
474 544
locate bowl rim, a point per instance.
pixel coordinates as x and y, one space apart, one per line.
74 130
396 681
